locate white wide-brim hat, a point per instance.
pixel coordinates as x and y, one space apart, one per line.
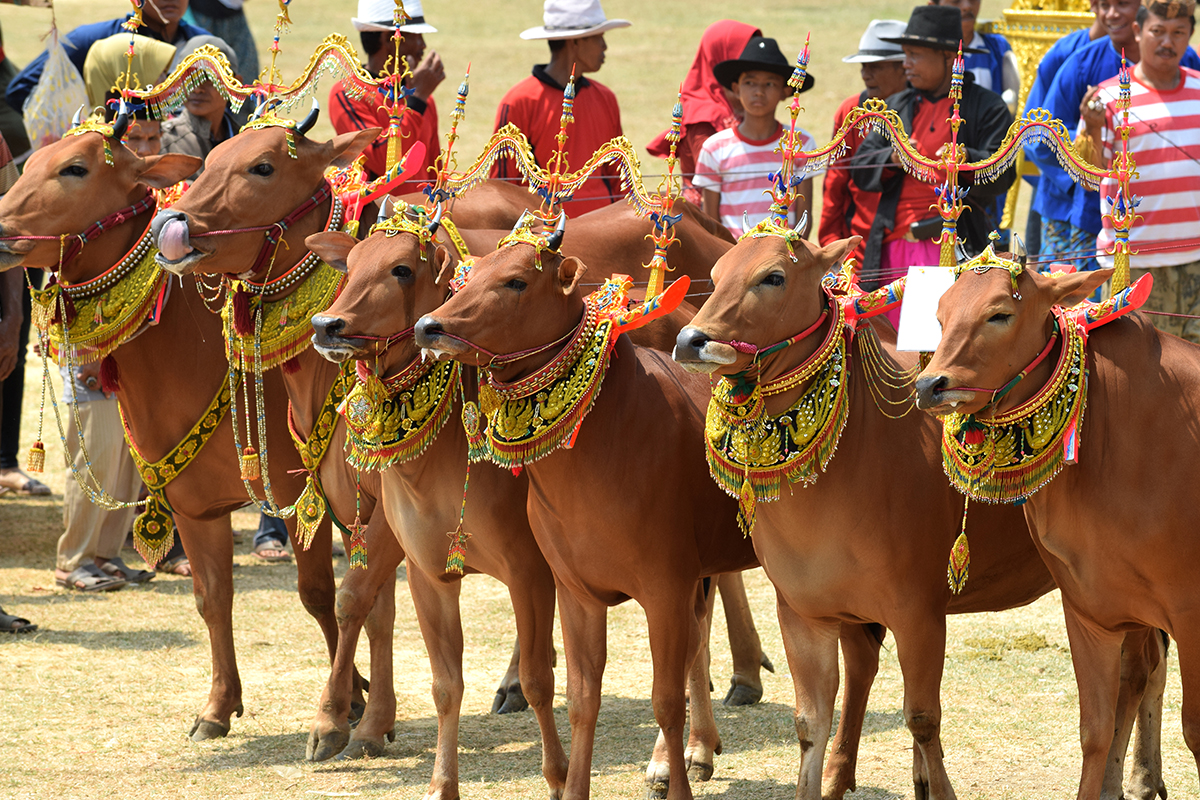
376 15
573 19
872 48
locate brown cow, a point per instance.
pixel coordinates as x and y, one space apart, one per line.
1115 529
168 374
392 280
667 528
814 545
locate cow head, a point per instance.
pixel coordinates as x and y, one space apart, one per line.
251 180
517 298
72 183
765 289
994 324
393 277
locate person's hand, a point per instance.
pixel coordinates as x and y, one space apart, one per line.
428 74
10 331
1091 109
89 376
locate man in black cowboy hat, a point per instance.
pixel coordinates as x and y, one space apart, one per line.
734 164
904 227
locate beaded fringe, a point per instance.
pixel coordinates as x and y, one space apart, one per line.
153 531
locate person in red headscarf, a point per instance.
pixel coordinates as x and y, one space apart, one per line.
707 106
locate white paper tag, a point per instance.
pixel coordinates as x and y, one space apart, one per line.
919 328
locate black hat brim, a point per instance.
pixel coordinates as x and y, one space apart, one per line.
931 43
727 72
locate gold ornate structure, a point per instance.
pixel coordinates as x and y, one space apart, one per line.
1032 27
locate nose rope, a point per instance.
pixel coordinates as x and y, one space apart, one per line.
78 240
752 349
498 360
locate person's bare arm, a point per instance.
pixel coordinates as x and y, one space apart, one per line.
712 204
11 314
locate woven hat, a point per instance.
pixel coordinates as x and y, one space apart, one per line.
763 55
573 19
935 27
1172 9
376 15
873 47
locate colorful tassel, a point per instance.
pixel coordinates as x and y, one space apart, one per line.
250 467
456 558
291 366
110 375
37 458
747 503
310 510
243 320
960 557
153 531
477 444
358 545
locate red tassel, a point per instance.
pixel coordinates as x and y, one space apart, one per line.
291 366
110 375
973 436
516 471
243 320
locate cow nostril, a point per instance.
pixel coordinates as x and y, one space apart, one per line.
328 326
698 341
930 384
426 329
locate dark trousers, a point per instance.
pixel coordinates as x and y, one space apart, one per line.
12 391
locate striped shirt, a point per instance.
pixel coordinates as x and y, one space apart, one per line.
738 167
1165 143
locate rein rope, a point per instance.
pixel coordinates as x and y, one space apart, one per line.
753 349
68 252
501 360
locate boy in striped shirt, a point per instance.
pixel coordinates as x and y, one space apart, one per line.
1164 115
734 164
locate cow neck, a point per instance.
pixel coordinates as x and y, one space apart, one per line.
751 451
1007 456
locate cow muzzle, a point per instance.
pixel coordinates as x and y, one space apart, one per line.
935 396
433 341
329 342
175 252
696 352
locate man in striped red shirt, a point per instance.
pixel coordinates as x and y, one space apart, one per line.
1164 116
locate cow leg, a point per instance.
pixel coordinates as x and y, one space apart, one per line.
437 608
585 648
509 697
1138 653
209 547
860 652
674 644
812 655
358 597
533 606
744 644
1146 779
1189 671
704 741
379 717
921 650
315 582
1096 657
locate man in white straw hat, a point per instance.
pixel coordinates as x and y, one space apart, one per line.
847 210
374 24
575 31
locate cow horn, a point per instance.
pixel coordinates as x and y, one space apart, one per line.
77 120
1020 254
121 123
801 224
307 123
259 108
556 239
436 220
745 222
383 212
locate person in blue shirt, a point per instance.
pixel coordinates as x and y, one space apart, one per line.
162 19
1055 193
1074 85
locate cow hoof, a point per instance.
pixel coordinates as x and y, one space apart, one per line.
657 790
697 771
766 664
509 701
741 695
204 730
322 747
361 748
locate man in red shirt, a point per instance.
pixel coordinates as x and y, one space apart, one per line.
419 123
575 31
847 210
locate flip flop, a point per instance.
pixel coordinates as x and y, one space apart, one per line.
117 568
19 482
279 554
90 578
10 623
175 566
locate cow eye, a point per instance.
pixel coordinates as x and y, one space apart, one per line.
74 170
402 272
1000 316
516 284
773 279
264 169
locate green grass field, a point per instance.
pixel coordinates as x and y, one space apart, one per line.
99 702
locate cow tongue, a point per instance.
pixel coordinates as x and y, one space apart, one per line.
173 240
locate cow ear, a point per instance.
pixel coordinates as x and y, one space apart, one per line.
168 169
349 146
440 263
332 247
1074 288
570 270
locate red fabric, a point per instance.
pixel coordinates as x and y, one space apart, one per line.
347 114
535 107
930 130
839 193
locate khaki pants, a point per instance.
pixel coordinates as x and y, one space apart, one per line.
1176 291
89 530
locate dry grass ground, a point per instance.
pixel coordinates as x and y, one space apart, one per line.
98 702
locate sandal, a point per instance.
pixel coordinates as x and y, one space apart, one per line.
272 552
90 578
17 481
14 624
119 569
175 566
